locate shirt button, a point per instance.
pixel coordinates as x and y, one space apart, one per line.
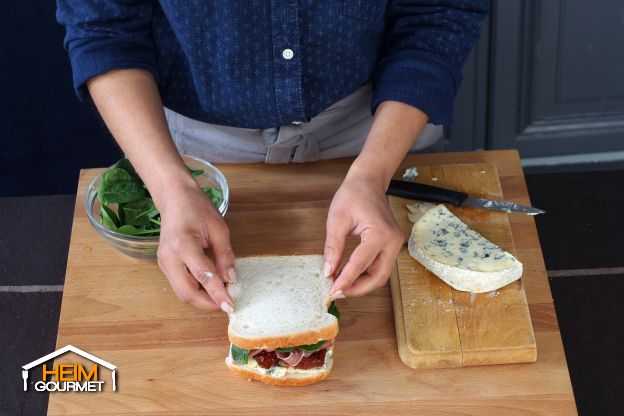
287 54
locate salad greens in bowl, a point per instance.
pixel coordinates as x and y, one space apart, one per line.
120 209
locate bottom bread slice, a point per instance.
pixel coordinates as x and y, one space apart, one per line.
294 378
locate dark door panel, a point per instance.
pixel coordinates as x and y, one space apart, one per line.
557 76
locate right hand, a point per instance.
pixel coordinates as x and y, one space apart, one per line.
189 224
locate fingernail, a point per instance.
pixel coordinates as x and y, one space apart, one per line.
207 275
232 275
337 295
226 307
327 267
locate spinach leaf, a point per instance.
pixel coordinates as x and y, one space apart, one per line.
311 347
214 194
133 212
127 166
108 218
333 309
308 347
132 230
240 355
118 187
136 213
196 172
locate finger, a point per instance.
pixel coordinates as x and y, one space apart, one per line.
376 276
185 286
223 254
205 272
361 258
338 228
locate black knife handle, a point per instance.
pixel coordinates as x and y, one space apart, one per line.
414 190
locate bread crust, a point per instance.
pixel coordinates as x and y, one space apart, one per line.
311 337
279 381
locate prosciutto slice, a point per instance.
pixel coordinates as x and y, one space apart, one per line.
291 358
253 353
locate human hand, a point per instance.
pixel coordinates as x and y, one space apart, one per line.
189 224
360 207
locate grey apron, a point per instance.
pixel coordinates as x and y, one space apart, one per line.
339 131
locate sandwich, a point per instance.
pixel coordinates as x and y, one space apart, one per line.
283 326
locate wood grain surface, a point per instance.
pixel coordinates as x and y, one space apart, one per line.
440 327
170 355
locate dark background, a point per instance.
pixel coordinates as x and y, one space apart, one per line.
46 134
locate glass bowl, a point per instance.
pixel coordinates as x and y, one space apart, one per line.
145 247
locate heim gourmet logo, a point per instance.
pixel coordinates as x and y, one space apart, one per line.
69 377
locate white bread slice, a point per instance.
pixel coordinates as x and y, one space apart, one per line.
287 377
280 301
459 255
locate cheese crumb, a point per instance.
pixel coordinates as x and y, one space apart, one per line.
410 174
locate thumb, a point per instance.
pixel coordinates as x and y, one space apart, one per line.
338 227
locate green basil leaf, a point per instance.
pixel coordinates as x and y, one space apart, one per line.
286 349
240 355
108 218
333 309
118 187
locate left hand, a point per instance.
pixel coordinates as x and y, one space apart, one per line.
361 208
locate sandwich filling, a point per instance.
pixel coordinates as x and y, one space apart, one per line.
279 362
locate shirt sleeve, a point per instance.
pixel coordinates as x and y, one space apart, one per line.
103 35
427 43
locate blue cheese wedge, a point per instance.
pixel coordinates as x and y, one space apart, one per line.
459 255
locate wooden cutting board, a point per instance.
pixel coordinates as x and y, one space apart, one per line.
170 356
438 326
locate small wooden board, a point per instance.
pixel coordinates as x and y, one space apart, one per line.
438 326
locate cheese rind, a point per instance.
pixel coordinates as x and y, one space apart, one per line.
459 255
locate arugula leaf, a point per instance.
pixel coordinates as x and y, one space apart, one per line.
118 187
133 212
333 309
108 218
240 355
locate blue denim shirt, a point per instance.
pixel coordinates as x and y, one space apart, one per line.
260 64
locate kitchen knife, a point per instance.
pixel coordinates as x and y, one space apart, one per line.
420 191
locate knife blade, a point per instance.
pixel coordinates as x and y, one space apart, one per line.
423 192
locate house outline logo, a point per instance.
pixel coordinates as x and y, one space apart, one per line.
69 348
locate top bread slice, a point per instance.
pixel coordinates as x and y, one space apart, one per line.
459 255
280 301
